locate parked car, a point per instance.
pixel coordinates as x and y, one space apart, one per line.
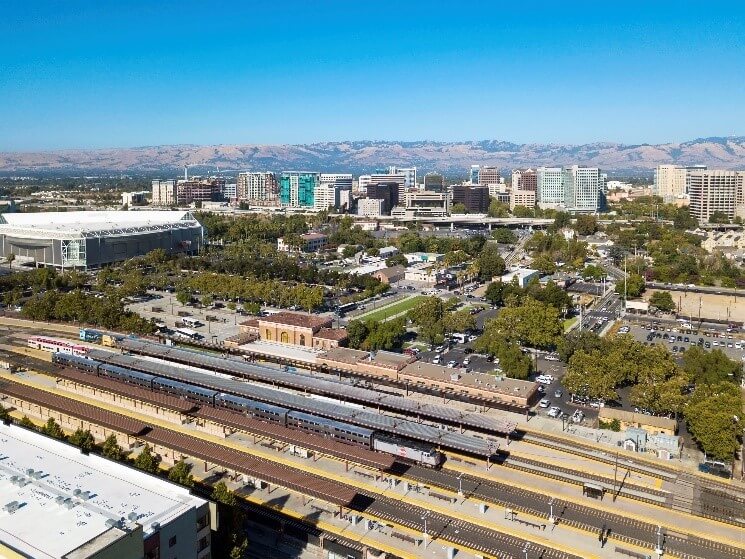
554 412
544 403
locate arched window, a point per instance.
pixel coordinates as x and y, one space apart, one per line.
284 338
268 335
302 339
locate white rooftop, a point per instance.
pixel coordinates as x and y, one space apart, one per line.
91 223
56 516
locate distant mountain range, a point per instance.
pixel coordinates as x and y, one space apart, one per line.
366 156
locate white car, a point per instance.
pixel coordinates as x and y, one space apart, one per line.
544 403
436 360
554 412
467 360
551 357
543 380
451 364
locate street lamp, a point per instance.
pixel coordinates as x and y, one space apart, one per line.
525 550
659 551
425 527
460 484
551 518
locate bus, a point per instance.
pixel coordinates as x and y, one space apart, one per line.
341 310
191 322
188 333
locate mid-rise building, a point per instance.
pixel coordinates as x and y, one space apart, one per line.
550 187
61 503
199 190
389 192
297 189
524 180
258 188
434 182
584 189
423 204
371 207
524 198
715 191
363 182
474 198
409 174
400 180
669 182
134 198
489 175
164 193
310 242
473 175
330 190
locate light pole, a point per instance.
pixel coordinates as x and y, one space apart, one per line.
659 550
460 484
426 541
551 518
525 550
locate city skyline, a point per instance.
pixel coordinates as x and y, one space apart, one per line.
141 74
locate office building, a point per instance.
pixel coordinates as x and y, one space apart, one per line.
60 503
489 175
164 193
550 187
474 198
199 190
473 175
130 199
434 182
297 189
371 207
715 191
669 182
399 180
524 180
409 174
524 198
230 191
389 192
330 191
584 189
363 182
258 189
423 204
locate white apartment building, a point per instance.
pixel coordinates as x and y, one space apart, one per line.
716 191
550 192
498 191
258 188
362 183
584 188
325 196
330 190
370 207
164 193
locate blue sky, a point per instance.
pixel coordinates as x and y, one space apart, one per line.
77 74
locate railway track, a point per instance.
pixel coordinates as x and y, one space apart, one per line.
621 528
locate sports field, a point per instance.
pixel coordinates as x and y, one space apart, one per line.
384 313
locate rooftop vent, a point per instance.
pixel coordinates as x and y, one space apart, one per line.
132 516
77 492
12 507
155 526
111 523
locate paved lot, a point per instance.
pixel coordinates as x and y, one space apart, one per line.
723 341
707 305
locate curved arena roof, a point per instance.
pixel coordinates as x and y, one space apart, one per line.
84 224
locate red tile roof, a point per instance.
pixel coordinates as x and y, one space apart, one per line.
337 334
313 322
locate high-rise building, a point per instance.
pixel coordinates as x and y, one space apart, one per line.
715 191
489 175
473 175
164 193
409 174
331 189
474 198
550 187
386 191
370 207
363 181
199 190
258 188
400 180
524 180
297 189
434 182
669 182
584 189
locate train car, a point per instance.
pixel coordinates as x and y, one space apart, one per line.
424 454
55 345
258 410
184 390
83 363
126 375
329 428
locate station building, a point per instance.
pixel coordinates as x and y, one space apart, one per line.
305 330
91 239
58 502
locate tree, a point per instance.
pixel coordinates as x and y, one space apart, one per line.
710 367
593 272
498 209
396 260
52 429
561 220
10 258
718 217
523 211
147 460
714 417
544 264
83 439
504 236
586 376
683 220
428 317
4 415
252 308
662 300
490 263
183 297
515 363
181 473
27 423
385 335
460 321
635 286
111 448
459 208
532 323
357 331
221 494
586 225
576 340
349 251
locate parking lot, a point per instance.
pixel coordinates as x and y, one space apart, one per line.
678 340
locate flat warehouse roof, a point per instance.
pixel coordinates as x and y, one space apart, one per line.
74 498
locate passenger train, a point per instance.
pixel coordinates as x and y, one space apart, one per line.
55 345
421 453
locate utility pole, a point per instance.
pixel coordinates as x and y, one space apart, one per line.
551 517
426 541
659 551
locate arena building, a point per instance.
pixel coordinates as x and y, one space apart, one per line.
90 239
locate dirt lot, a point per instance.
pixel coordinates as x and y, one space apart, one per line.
717 307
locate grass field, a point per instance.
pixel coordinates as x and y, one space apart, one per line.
392 310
